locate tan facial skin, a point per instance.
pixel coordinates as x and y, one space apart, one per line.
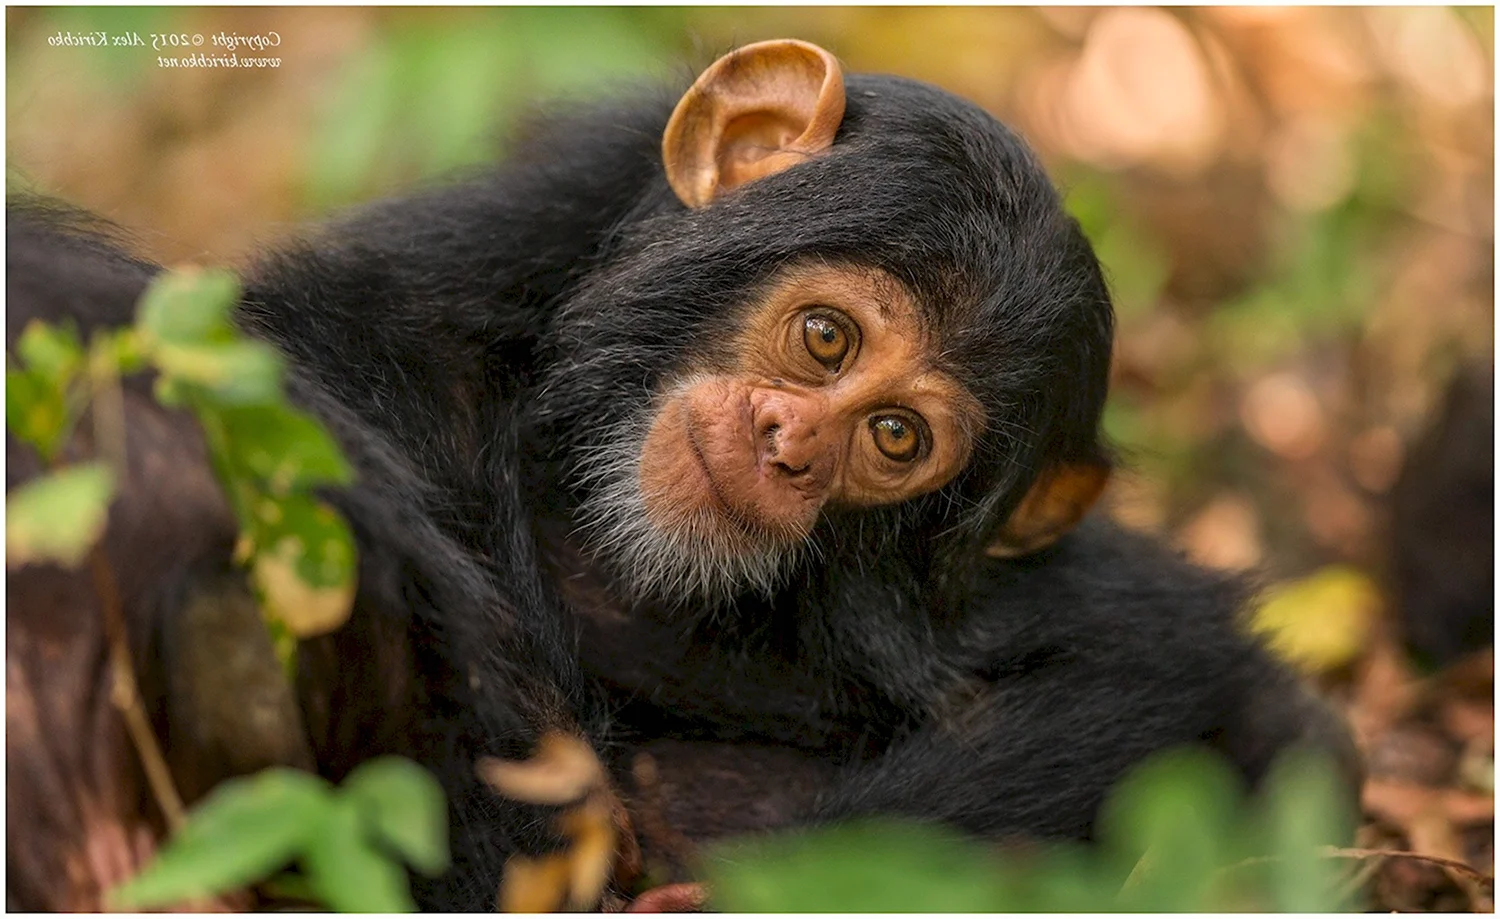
832 399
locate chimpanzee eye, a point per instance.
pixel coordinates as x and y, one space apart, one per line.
827 341
899 437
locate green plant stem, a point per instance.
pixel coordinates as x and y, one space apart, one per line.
109 413
1358 880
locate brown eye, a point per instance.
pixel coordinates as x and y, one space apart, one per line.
826 341
897 436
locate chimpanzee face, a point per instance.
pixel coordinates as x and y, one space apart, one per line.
891 337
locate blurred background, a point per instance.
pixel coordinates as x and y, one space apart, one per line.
1295 208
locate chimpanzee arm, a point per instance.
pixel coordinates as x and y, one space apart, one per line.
451 655
1089 658
1036 757
1029 760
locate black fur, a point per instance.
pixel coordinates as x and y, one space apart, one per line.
1442 564
472 345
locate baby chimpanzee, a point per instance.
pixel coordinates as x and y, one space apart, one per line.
759 420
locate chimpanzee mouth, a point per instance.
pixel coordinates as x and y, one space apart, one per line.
724 509
709 556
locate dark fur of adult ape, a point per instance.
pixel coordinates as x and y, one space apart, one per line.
491 356
1442 565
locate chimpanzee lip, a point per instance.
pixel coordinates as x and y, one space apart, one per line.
722 507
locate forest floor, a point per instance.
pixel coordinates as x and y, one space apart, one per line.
1429 745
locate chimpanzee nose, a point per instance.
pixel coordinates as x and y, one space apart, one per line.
790 452
786 426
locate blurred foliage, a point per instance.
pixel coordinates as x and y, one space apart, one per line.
422 100
49 382
1176 835
268 455
351 843
42 400
58 518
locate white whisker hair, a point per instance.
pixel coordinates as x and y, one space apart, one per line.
696 561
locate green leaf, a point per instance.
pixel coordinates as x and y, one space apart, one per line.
1305 809
172 393
407 808
285 643
1064 878
239 487
242 832
36 411
120 349
1174 821
41 402
188 307
58 517
866 867
326 552
231 373
52 352
305 564
348 872
284 448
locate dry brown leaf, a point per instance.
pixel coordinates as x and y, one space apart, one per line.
535 885
1402 804
1432 833
563 770
591 829
573 878
1385 689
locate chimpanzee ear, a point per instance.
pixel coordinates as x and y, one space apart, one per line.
1054 505
755 112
